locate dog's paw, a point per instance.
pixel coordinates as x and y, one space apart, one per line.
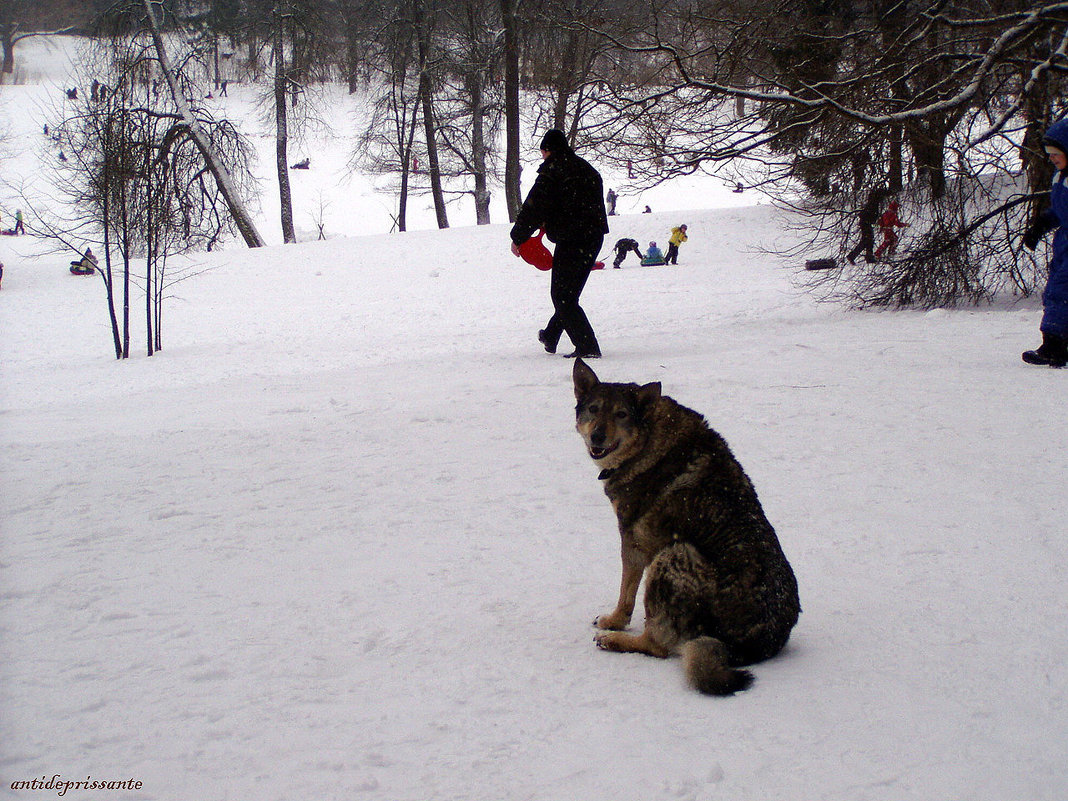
608 641
611 622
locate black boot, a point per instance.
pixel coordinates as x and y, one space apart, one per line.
1053 352
543 338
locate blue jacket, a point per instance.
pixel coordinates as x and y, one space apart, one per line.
1055 296
653 256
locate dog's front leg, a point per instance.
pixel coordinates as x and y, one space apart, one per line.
633 567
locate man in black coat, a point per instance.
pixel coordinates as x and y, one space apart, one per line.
567 201
866 219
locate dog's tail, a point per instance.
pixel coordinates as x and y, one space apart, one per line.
709 672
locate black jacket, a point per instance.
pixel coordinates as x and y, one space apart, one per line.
567 200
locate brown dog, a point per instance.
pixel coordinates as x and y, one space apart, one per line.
718 588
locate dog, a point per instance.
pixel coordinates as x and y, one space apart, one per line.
719 590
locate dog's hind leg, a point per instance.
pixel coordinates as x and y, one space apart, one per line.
678 589
667 588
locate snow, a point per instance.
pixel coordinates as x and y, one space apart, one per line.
339 538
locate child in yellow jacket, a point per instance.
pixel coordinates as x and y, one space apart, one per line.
678 236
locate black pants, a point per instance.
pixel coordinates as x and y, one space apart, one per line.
621 253
867 242
672 256
572 262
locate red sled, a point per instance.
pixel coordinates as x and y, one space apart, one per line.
533 251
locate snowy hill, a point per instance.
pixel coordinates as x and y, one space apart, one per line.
340 540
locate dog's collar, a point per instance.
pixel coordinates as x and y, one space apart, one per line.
606 474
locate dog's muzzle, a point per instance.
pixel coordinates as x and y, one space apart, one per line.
598 450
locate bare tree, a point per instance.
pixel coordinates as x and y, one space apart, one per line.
425 19
472 109
21 19
193 126
386 146
512 169
827 99
135 184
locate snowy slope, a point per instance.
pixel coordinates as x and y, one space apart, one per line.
340 540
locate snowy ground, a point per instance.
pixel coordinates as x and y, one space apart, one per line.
340 540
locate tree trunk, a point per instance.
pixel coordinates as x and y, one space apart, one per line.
565 82
512 169
105 271
282 137
242 219
124 211
352 61
1036 110
479 150
430 130
927 140
406 162
895 168
150 255
7 41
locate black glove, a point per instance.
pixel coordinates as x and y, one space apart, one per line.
1042 225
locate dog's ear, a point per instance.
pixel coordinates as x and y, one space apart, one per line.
585 379
648 395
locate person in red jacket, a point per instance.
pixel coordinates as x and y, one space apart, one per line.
887 223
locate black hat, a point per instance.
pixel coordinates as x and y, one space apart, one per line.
554 141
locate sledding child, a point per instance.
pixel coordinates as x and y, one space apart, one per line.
84 266
678 236
1053 352
622 248
654 257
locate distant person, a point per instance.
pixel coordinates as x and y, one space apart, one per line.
622 248
222 89
20 227
610 201
887 223
86 265
567 200
1053 352
647 210
866 219
678 236
654 256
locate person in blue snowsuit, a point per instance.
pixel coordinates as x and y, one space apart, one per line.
1053 352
